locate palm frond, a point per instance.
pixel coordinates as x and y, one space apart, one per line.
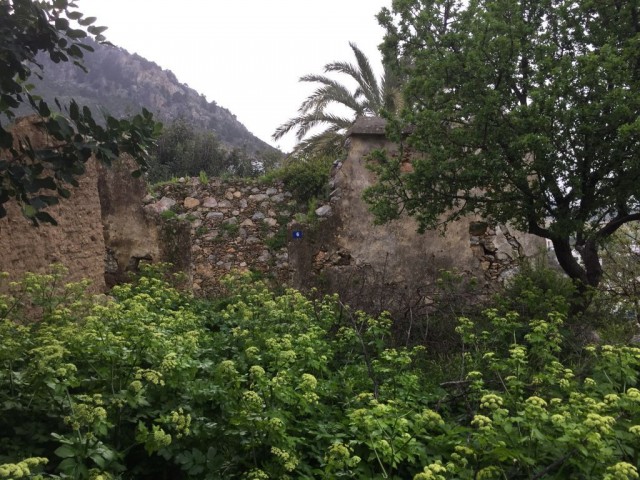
369 98
369 81
346 68
323 143
302 124
321 118
337 94
317 79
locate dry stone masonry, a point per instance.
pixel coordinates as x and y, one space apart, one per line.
234 225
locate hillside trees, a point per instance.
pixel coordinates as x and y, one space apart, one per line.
26 29
371 96
184 149
527 111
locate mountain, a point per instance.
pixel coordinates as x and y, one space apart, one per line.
122 83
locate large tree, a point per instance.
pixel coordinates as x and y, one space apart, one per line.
37 177
527 112
370 96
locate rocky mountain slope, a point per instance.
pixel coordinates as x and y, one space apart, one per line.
122 83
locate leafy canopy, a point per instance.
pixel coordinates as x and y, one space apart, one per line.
526 111
37 176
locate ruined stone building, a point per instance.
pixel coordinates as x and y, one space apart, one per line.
110 224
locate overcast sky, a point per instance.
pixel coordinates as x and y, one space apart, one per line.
247 55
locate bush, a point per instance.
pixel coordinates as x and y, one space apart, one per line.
536 291
306 178
151 383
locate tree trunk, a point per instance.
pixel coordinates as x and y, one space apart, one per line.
591 259
584 278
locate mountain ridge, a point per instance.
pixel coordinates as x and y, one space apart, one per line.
121 83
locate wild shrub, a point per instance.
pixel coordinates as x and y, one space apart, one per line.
151 383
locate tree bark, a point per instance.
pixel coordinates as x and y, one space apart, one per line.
584 279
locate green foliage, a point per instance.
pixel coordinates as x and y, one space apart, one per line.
184 150
270 161
150 383
622 273
537 290
526 111
306 178
37 177
229 228
168 214
279 240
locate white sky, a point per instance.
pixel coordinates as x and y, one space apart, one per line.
246 55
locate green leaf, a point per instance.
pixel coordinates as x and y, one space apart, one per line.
68 466
99 460
43 109
75 15
61 23
96 30
76 34
45 217
65 451
75 51
87 21
29 211
74 111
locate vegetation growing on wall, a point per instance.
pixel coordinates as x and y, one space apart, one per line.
306 178
527 112
153 384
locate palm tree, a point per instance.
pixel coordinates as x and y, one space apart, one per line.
370 97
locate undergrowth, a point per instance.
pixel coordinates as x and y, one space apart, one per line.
152 383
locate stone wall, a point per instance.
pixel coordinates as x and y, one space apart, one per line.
77 241
102 232
392 267
234 226
210 228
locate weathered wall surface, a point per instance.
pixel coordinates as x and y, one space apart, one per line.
103 232
391 266
77 241
131 233
208 229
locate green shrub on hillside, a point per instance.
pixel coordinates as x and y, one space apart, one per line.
151 383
